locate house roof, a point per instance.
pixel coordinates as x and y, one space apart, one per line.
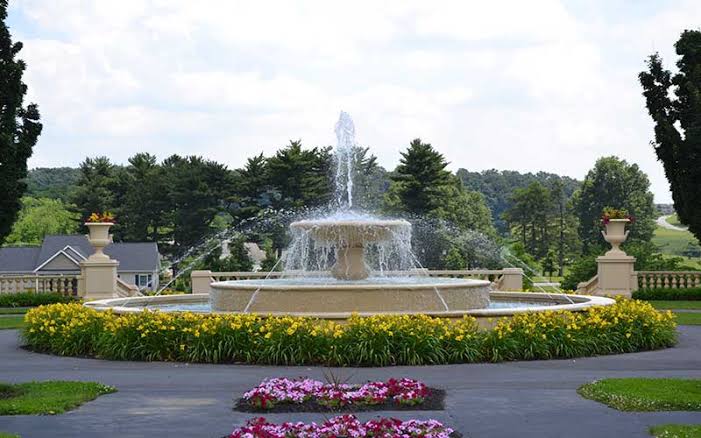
18 259
132 257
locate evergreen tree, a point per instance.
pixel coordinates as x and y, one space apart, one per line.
19 128
300 177
420 180
143 212
674 103
197 188
252 191
96 188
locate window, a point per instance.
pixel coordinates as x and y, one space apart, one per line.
143 280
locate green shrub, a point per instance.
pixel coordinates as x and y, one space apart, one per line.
74 330
668 294
32 299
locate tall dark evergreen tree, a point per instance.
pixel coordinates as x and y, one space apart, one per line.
300 177
674 103
96 188
420 179
19 128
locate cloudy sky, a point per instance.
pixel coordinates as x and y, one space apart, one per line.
524 85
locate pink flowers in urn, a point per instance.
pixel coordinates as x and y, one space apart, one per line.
282 390
344 426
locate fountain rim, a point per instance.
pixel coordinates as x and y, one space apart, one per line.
365 223
581 303
254 285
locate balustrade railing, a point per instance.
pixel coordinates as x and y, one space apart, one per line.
63 284
669 279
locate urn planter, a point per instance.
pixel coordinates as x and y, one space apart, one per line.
99 237
616 234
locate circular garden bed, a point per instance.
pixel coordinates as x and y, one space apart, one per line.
74 330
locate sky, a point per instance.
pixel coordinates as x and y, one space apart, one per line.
519 85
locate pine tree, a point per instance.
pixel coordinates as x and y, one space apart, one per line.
19 128
678 124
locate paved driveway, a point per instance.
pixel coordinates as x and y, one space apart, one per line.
517 399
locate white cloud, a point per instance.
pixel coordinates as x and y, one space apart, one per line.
503 84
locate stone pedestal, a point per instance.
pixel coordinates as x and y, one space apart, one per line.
200 281
512 279
616 275
100 279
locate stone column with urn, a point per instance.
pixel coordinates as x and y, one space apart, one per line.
616 271
99 271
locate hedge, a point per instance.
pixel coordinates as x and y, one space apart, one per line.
32 299
74 330
692 293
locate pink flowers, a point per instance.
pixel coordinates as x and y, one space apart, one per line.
282 390
344 426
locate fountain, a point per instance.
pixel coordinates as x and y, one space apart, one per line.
352 262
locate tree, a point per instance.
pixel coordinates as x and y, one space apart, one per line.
674 103
237 260
300 177
529 216
614 183
19 128
419 182
39 217
95 190
197 188
549 263
143 211
252 192
421 186
498 186
54 183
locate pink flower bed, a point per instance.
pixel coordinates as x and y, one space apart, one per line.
282 390
344 426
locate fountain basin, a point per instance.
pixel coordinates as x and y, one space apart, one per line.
502 305
329 295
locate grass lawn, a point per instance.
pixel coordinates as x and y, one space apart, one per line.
687 318
676 431
641 394
674 220
11 322
50 397
673 243
8 435
13 310
681 304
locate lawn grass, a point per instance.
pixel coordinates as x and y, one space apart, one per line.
642 394
13 310
48 398
676 431
674 220
674 242
682 304
688 318
8 435
11 322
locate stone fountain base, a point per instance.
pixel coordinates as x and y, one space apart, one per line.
328 295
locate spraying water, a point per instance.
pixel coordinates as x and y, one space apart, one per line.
345 136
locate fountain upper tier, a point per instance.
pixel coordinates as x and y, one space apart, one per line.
348 237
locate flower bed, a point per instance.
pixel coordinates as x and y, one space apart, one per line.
74 330
307 395
345 426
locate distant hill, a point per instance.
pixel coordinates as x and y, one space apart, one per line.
55 183
498 185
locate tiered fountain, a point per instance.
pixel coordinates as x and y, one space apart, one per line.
352 262
328 267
